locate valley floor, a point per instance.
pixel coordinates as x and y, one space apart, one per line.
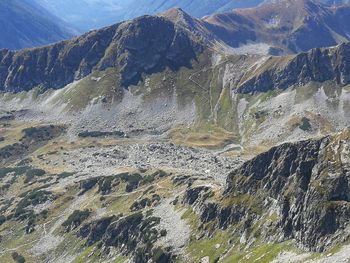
56 179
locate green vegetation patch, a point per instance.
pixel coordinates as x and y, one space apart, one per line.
33 198
32 139
132 180
192 218
97 134
160 174
88 184
75 219
42 133
103 84
160 256
18 258
305 124
2 219
213 247
105 185
65 175
145 202
16 170
32 173
245 200
138 205
262 253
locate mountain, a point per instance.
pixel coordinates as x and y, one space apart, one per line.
143 45
25 24
317 65
120 46
290 25
296 190
198 66
170 138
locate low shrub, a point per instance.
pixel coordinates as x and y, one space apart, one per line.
18 258
75 219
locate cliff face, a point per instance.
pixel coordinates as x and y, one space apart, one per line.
296 191
316 65
53 66
309 181
149 44
143 45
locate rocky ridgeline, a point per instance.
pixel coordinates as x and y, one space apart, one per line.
297 191
174 39
144 45
134 235
317 65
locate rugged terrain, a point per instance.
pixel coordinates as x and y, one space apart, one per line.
156 140
287 26
97 196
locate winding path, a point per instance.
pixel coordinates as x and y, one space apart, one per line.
209 98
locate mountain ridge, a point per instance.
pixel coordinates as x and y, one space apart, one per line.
291 25
115 46
229 30
320 65
170 138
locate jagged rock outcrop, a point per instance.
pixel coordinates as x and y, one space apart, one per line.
309 180
298 191
330 64
149 44
133 235
144 45
53 66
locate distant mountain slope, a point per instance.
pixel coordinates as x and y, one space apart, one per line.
90 14
25 24
336 2
196 8
87 15
292 25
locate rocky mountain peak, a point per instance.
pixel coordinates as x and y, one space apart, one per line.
329 64
182 19
310 182
145 44
175 13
